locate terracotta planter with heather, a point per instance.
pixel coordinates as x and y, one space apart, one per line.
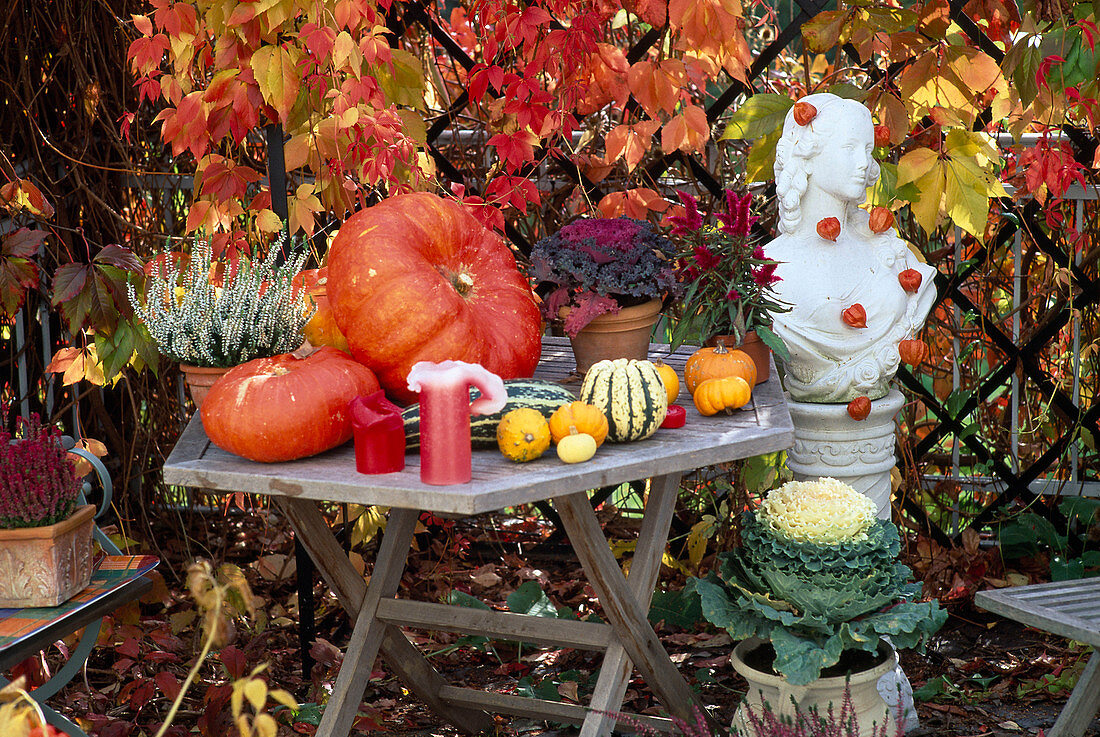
46 566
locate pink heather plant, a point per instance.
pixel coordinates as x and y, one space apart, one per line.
38 484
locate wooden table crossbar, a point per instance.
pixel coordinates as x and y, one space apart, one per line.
627 639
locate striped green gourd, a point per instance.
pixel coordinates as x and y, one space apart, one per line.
545 396
630 393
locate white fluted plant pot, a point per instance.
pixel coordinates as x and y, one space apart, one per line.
783 698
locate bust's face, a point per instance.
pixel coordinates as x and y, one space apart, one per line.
841 167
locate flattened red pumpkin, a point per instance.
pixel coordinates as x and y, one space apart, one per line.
284 407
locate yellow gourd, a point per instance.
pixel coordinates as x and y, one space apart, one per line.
576 447
578 417
669 379
523 435
715 395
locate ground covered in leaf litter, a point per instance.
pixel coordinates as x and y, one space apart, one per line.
981 677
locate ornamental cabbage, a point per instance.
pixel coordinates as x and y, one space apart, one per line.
816 586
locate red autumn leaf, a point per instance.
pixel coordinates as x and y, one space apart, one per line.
828 228
17 275
515 149
22 194
145 53
910 280
224 179
859 408
687 131
855 316
515 191
236 665
24 243
629 142
804 112
168 684
881 219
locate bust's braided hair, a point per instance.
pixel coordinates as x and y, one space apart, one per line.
799 144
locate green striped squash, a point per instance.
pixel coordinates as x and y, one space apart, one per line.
545 396
630 393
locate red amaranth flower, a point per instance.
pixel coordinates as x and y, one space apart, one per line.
736 220
733 294
706 258
689 222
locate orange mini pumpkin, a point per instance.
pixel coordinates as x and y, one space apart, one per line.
726 394
716 363
578 417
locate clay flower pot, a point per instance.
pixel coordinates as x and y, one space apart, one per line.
625 334
199 380
46 566
766 687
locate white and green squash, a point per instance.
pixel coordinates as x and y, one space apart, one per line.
630 393
545 396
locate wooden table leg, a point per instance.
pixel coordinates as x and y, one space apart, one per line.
1083 703
350 589
645 566
627 616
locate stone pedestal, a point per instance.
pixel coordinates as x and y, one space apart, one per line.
828 442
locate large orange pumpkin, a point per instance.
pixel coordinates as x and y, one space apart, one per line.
418 278
285 407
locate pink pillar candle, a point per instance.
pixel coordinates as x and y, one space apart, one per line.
445 410
379 434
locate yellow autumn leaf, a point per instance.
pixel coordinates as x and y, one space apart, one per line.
302 207
264 726
697 541
268 222
255 690
277 77
915 164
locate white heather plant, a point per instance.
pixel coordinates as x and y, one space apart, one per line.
257 311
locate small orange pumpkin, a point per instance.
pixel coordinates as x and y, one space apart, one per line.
717 363
669 379
727 393
578 417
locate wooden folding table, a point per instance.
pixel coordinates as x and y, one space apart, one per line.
627 639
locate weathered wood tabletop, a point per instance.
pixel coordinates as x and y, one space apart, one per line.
761 427
627 639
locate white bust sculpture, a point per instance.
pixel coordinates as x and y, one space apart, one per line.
822 170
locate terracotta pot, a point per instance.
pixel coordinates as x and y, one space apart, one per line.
622 335
199 380
46 566
758 351
869 706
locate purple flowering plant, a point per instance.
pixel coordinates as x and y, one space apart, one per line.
727 277
597 266
38 481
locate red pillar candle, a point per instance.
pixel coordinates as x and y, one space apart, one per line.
445 410
379 434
